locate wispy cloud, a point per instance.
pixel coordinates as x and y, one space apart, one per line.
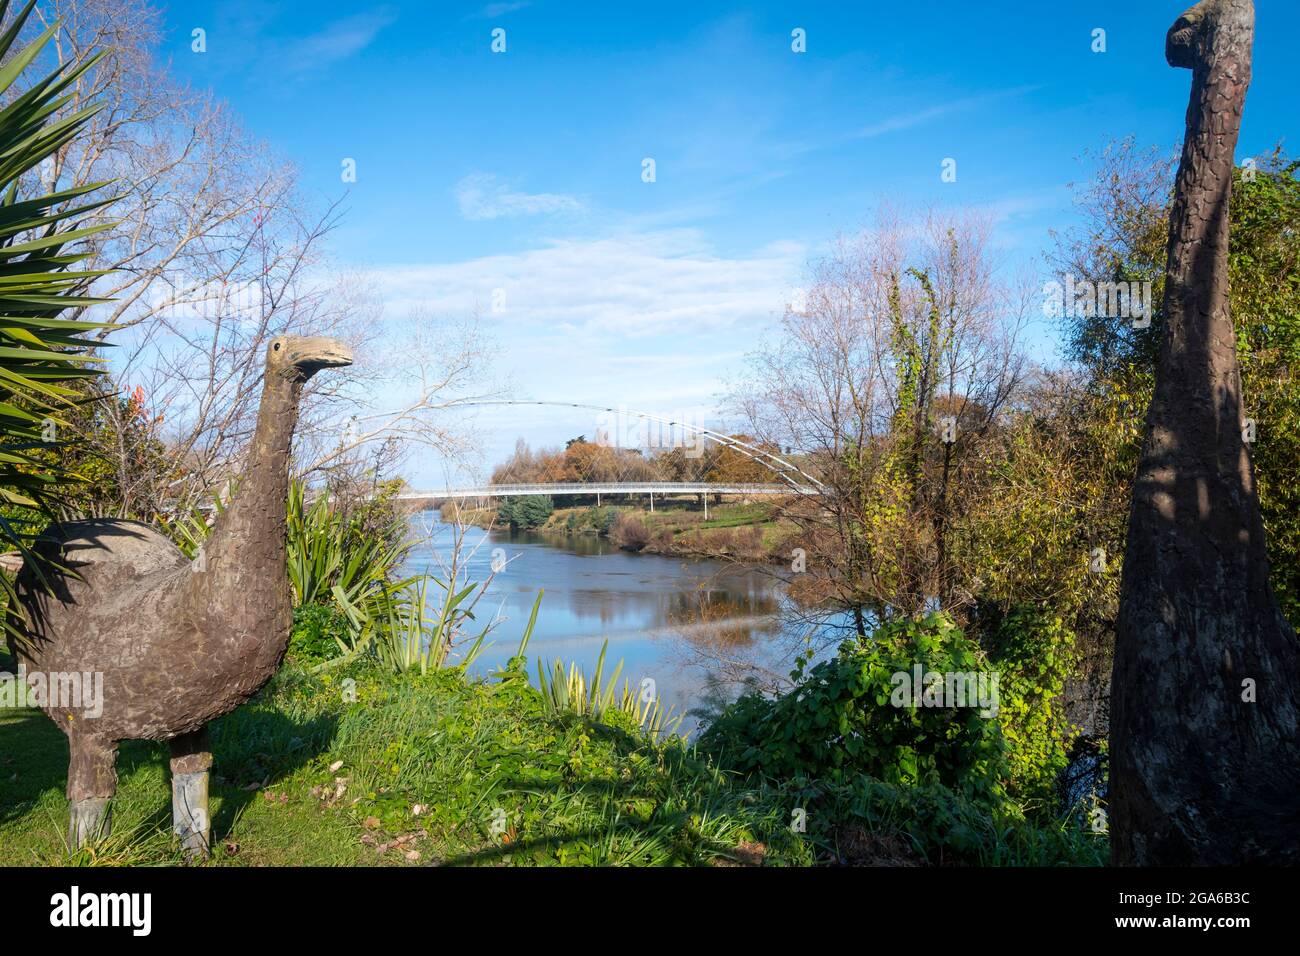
652 320
337 41
482 196
920 117
501 9
628 285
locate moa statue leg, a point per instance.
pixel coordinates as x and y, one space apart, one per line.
92 781
191 822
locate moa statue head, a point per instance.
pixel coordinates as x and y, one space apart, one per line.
1191 39
302 356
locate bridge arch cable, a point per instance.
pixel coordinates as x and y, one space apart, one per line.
781 468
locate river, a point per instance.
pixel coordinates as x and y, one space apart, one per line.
671 620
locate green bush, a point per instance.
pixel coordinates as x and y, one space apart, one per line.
605 518
849 717
529 511
320 633
1035 655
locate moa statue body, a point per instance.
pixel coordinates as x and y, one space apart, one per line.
1205 697
178 643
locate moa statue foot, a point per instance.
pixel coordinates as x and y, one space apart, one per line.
190 820
89 820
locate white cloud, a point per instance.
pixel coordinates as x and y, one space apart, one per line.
337 41
500 9
905 121
920 117
481 196
636 284
654 320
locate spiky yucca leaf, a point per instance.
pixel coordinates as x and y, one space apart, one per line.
42 356
570 693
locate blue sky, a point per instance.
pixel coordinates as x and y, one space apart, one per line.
522 170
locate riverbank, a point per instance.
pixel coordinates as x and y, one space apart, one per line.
746 531
442 769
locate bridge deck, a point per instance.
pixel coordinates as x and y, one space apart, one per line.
612 488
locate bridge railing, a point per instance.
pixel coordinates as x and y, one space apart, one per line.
612 488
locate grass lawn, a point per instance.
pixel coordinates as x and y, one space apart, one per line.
281 824
358 767
417 770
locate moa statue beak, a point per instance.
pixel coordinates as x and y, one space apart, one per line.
310 354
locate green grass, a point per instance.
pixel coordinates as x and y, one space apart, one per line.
496 780
455 771
259 830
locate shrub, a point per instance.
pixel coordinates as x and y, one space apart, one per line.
1035 655
629 533
605 518
847 717
353 563
529 511
320 633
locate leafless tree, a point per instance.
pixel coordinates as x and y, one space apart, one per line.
888 382
217 252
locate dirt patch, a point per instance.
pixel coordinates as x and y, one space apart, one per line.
861 847
746 854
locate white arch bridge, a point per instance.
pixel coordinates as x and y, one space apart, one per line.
790 479
598 488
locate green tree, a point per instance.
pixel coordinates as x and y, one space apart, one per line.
1126 222
527 511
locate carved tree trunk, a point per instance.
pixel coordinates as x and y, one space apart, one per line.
1205 763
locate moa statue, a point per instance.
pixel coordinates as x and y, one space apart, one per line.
1205 695
178 643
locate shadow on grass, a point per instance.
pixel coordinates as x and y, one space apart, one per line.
253 748
692 833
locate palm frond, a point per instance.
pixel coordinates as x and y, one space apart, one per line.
42 356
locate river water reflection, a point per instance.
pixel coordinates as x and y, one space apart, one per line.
663 617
